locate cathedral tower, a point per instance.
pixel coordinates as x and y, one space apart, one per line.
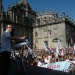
0 8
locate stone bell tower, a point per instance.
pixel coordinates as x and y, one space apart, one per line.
0 8
0 16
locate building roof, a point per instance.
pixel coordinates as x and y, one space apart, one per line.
23 1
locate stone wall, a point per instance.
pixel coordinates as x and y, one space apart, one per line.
49 33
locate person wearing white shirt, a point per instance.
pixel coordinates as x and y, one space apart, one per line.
39 63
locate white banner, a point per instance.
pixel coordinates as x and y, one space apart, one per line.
62 66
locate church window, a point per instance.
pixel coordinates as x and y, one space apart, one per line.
36 34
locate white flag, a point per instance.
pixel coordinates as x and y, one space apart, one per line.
59 44
45 47
57 48
74 49
29 49
62 52
74 46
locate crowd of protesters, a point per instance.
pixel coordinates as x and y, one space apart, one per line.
41 57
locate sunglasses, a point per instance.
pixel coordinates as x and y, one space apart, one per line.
9 27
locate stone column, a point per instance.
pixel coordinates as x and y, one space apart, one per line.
13 17
2 28
16 19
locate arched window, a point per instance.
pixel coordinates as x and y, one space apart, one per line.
56 40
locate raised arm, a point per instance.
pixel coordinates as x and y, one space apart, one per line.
17 38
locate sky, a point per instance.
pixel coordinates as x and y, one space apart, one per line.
68 6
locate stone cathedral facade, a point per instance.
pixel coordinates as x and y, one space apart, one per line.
50 27
45 27
21 17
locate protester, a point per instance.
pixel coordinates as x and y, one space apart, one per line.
72 68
